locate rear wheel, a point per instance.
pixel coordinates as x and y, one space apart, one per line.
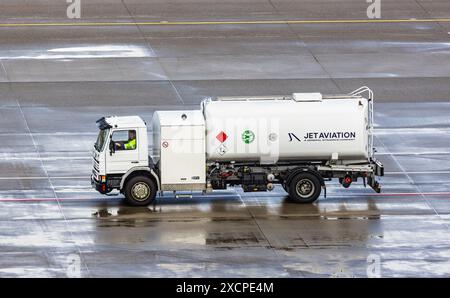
304 188
140 191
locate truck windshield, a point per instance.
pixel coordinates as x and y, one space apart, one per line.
101 139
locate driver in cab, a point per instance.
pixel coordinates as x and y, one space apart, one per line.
128 145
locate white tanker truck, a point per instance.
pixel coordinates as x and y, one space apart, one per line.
298 141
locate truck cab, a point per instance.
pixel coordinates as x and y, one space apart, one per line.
121 154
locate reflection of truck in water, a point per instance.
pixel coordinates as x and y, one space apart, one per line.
298 141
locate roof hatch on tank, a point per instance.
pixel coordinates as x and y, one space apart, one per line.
307 96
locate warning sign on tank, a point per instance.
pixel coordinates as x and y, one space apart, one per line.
248 136
222 136
222 149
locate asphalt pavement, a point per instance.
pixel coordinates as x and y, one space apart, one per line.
132 57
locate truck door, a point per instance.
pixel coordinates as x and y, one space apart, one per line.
126 154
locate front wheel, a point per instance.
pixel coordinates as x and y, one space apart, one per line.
140 191
304 188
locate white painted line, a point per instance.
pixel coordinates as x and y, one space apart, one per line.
46 158
44 177
88 176
7 158
422 172
242 198
415 153
378 130
404 130
391 194
57 133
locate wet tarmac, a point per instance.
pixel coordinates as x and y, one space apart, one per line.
56 81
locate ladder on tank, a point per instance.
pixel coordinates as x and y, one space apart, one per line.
360 91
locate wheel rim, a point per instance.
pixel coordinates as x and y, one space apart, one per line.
305 188
140 191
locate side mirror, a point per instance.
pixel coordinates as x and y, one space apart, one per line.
112 147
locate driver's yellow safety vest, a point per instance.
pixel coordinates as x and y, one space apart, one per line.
131 145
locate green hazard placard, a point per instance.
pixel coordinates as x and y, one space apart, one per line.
248 136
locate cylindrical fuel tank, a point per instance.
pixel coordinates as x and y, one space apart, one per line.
286 129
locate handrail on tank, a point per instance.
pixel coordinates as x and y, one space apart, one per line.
359 91
203 103
250 98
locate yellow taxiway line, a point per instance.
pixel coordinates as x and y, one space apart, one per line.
256 22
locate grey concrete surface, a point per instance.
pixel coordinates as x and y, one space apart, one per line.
56 81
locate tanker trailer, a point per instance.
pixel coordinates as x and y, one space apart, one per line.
298 141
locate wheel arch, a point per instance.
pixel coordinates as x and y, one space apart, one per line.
144 171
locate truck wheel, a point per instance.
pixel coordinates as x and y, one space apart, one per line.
140 191
304 188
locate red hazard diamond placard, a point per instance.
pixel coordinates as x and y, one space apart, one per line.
222 136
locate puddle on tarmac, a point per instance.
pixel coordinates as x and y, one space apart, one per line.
232 239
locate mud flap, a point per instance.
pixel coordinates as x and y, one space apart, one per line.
379 168
374 184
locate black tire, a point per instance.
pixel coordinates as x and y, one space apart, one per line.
140 191
304 188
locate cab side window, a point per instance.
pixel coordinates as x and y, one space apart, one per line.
124 139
